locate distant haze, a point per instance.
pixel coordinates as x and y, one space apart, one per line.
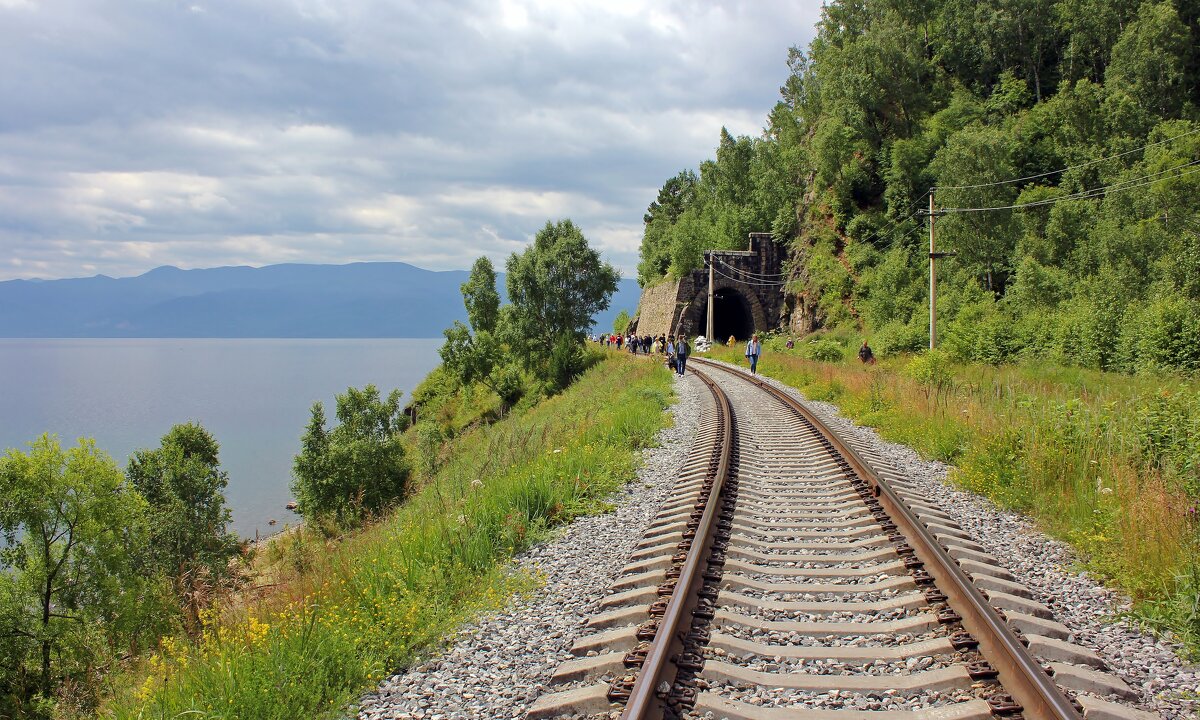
359 300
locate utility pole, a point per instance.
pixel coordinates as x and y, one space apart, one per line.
933 256
709 332
932 280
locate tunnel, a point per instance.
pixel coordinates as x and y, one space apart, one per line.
731 316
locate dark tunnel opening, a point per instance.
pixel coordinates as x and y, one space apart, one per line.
731 316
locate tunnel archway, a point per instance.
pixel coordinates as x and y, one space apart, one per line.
731 315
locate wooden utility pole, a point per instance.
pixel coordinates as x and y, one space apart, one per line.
933 256
932 280
709 332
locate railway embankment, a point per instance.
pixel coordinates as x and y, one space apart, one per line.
329 617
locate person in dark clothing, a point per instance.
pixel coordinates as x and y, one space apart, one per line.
682 349
865 354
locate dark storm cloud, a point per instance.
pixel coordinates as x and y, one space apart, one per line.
136 133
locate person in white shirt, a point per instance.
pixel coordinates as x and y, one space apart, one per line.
753 350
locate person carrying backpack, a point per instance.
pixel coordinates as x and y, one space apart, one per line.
682 349
753 350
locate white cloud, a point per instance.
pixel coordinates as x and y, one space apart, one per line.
224 132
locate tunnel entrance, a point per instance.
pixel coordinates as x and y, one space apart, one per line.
731 316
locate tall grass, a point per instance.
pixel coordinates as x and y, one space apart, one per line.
337 616
1105 462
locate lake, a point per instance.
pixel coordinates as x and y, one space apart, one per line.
254 396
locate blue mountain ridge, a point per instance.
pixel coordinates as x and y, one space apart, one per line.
357 300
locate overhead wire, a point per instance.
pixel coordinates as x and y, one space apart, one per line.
746 282
1069 167
758 276
1085 194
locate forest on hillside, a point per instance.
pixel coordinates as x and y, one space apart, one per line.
1061 138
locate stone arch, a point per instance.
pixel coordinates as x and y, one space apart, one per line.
728 295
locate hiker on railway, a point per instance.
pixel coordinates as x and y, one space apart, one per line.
865 354
671 354
753 350
682 350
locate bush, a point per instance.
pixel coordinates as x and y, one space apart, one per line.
898 337
1164 334
824 350
566 363
359 467
931 370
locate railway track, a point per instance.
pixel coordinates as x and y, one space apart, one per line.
793 575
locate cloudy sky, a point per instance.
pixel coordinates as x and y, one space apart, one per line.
139 133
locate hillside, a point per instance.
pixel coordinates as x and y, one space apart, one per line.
355 300
1060 137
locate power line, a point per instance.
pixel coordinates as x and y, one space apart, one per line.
1086 194
748 273
1069 167
747 282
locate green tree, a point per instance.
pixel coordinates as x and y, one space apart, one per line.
480 296
555 287
476 353
1147 67
621 323
359 466
184 486
72 588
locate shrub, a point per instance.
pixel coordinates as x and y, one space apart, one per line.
898 337
358 467
931 370
1162 335
824 350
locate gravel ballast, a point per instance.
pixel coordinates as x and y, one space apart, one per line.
496 666
1151 666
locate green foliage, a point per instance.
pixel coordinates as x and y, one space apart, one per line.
359 466
184 487
931 370
73 587
892 99
555 287
621 323
388 595
1168 436
480 296
823 349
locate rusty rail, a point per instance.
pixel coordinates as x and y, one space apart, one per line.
643 702
1020 674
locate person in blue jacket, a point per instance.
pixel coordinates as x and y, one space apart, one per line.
753 350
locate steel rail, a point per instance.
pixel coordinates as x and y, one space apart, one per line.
1021 675
643 703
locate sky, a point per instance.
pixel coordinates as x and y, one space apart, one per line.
140 133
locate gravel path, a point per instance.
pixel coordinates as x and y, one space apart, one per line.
1167 684
497 666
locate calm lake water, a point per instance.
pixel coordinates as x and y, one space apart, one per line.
252 395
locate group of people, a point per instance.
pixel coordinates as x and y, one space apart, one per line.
674 349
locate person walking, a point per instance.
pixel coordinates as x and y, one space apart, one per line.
753 350
671 354
682 349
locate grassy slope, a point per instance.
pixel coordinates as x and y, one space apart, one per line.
343 615
1064 445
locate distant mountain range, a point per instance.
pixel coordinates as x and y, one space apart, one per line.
359 300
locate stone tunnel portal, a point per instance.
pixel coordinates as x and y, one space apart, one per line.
731 316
